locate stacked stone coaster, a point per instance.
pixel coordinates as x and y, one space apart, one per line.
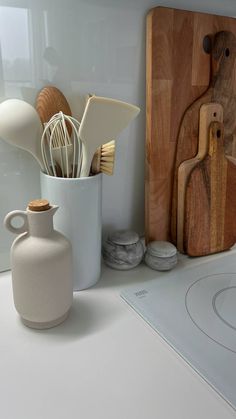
161 255
123 250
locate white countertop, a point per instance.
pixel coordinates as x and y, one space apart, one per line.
104 362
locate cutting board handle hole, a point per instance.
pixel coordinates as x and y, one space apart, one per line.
207 44
218 133
227 52
214 114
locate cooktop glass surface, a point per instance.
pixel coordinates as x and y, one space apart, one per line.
194 310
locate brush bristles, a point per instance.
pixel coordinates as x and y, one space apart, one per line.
103 160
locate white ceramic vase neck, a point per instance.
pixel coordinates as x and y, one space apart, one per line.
37 224
40 224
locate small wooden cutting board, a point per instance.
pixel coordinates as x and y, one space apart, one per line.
209 112
210 204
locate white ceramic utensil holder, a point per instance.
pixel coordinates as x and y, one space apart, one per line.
79 217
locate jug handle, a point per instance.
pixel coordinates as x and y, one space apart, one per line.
13 214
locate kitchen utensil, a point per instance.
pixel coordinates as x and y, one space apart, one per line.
102 120
220 90
103 159
57 146
208 113
41 267
177 73
210 225
60 145
51 101
20 126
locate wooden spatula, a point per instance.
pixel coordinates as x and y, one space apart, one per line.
208 113
210 204
221 90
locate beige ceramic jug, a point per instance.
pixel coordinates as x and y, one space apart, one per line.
41 261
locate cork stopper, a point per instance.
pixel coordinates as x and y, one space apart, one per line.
39 205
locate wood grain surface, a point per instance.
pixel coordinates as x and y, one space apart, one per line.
211 200
208 113
221 90
178 72
50 101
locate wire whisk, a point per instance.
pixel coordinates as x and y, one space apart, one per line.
62 153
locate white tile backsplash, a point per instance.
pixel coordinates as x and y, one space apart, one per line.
81 46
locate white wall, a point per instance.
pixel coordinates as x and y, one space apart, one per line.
81 46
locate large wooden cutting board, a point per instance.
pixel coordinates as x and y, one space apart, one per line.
178 72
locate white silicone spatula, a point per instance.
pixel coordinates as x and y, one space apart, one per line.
103 120
20 126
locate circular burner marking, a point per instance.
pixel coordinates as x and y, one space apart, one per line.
211 304
223 303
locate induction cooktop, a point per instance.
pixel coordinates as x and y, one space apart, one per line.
194 309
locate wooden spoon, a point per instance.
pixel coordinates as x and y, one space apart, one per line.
50 101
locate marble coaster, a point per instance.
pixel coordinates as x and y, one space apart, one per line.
161 255
123 250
